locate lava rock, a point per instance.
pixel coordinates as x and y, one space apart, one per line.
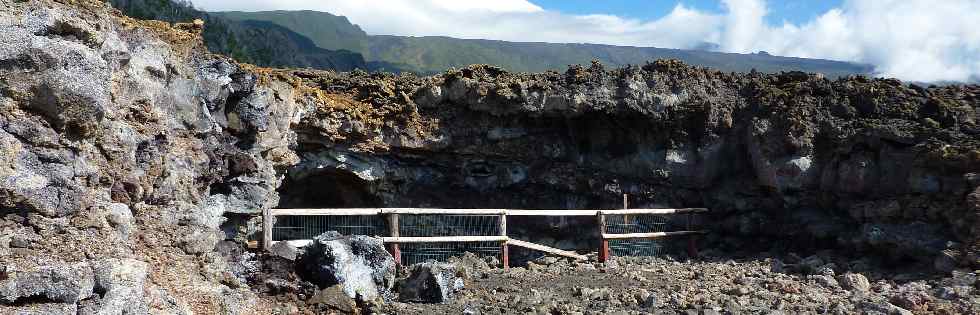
913 296
883 308
122 281
121 217
810 265
200 242
777 266
284 250
68 283
333 299
946 261
827 281
646 299
430 282
42 309
358 263
471 266
855 282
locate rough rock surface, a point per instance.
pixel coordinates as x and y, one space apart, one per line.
430 282
285 251
125 141
65 284
855 282
116 148
716 285
110 286
360 264
121 283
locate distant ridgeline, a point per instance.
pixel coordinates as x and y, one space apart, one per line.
433 54
257 42
322 40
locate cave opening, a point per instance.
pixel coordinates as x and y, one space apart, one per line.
326 188
322 189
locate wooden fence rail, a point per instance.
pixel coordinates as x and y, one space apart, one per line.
509 212
393 238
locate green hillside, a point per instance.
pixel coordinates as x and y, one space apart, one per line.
435 54
327 31
258 42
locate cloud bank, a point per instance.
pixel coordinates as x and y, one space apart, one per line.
916 40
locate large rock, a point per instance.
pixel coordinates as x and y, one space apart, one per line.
284 250
855 282
471 266
333 299
41 309
122 284
430 282
882 308
67 283
359 263
916 240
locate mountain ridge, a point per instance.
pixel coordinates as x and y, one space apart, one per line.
257 42
434 54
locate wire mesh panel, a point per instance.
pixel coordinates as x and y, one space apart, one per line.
649 223
520 256
447 225
308 227
413 253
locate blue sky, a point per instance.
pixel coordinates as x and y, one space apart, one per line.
793 11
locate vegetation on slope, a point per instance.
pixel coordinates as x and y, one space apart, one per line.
325 41
434 54
256 42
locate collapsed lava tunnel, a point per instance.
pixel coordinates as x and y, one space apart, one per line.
326 188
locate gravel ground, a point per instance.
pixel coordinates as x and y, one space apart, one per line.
652 285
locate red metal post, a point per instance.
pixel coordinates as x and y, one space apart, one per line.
604 251
395 253
504 255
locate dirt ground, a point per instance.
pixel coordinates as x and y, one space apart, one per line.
712 284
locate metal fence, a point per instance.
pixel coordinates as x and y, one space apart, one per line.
652 223
428 225
418 235
294 227
625 224
421 252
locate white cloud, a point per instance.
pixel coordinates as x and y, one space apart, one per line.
919 40
743 25
493 6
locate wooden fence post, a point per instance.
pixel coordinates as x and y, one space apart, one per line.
267 222
604 243
393 232
626 205
504 250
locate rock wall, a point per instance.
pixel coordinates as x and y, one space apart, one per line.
873 165
127 140
125 144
